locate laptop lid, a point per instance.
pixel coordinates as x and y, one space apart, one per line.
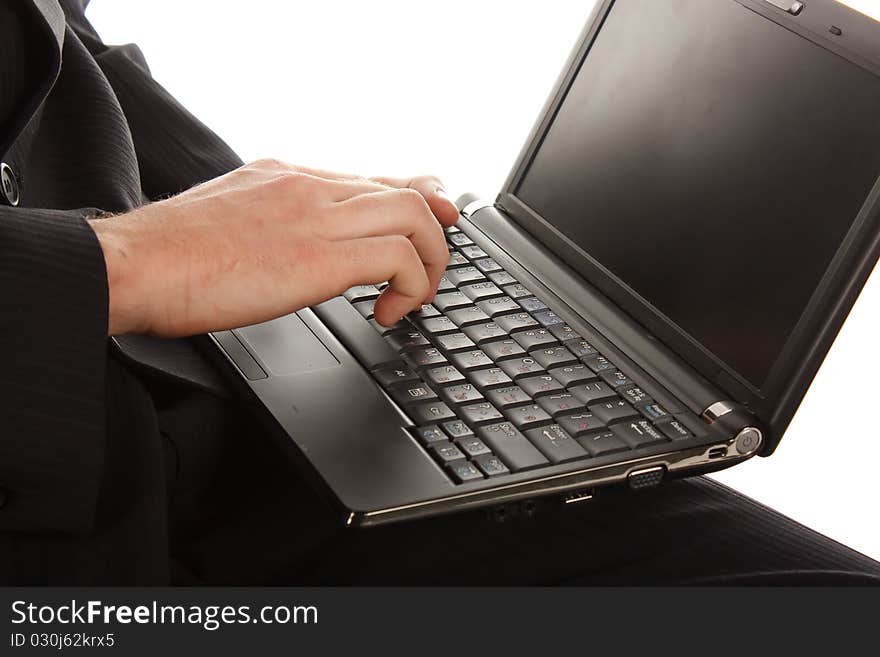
713 166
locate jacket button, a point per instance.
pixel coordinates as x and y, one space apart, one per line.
9 184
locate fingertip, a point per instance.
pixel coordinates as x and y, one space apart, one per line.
443 208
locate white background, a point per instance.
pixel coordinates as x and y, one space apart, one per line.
403 87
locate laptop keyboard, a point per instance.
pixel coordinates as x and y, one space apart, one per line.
496 382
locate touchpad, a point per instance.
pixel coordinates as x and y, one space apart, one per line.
287 346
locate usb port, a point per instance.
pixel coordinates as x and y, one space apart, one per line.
578 496
717 452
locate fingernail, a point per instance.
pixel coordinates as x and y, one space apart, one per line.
441 193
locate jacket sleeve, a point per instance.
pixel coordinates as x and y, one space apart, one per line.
53 350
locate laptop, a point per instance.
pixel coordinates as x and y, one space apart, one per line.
648 297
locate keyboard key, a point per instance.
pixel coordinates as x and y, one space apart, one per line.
430 412
517 322
445 285
638 433
451 229
498 306
635 396
429 434
519 367
426 356
543 384
454 342
481 413
615 378
450 300
484 332
561 403
457 429
674 430
501 278
467 316
553 356
548 318
436 325
385 330
394 373
427 311
556 444
410 392
490 378
490 465
365 308
361 292
459 239
443 375
445 452
517 291
654 412
581 424
602 443
572 374
456 259
578 346
473 252
598 363
534 338
464 275
612 411
463 471
501 349
511 446
487 265
472 446
527 416
480 291
531 304
563 332
592 392
402 340
470 360
463 393
508 396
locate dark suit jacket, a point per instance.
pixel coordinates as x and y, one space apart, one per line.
85 129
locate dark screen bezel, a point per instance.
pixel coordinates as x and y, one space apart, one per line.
775 400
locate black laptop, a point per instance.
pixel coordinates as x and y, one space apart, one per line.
648 297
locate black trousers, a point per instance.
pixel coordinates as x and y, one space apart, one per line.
241 515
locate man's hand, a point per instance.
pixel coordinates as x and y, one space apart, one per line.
270 238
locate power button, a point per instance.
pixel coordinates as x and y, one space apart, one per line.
748 440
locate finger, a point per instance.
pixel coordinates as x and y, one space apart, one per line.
431 188
391 258
394 212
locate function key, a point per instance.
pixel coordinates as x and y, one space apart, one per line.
484 332
490 465
429 434
615 378
463 471
501 278
548 318
612 411
464 275
472 446
511 445
498 306
445 452
508 396
556 444
598 363
430 412
579 347
481 413
443 375
450 300
635 396
456 260
457 429
391 373
560 403
592 391
480 291
602 443
553 356
527 416
467 316
501 349
638 433
411 392
543 384
490 378
675 430
473 252
517 322
487 265
572 374
471 360
517 291
462 393
563 332
581 424
654 412
531 304
459 239
454 342
361 292
519 367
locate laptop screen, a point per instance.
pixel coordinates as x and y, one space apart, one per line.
712 161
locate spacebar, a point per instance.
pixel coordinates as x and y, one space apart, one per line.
353 331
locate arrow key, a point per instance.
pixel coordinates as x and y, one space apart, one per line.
638 433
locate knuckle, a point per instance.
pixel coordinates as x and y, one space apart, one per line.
411 199
271 163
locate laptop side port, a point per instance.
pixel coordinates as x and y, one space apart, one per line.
646 477
578 496
717 452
